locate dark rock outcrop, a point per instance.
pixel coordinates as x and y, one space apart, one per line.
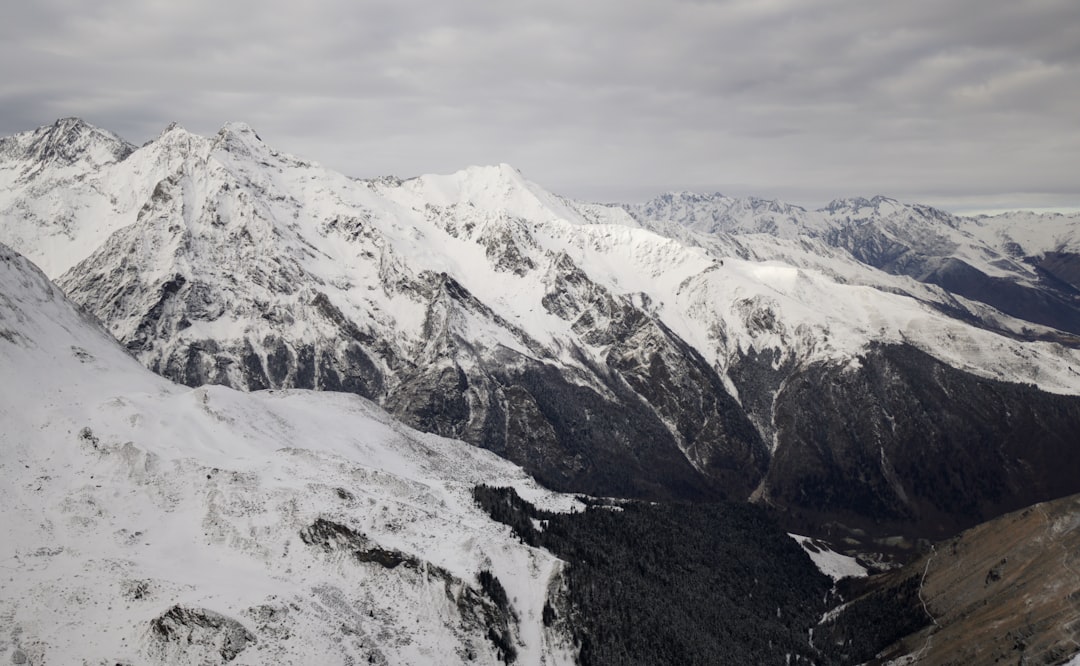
185 633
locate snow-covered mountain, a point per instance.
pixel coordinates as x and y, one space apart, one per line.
146 522
1022 264
51 192
693 347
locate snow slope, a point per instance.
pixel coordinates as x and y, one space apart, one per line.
151 523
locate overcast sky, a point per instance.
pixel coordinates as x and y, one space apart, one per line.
964 104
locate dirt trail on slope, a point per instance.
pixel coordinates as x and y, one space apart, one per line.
1005 591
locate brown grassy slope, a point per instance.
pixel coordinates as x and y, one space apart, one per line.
1007 591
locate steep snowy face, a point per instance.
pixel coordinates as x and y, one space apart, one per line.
607 349
162 524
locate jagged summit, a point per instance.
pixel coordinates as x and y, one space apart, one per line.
175 135
239 128
857 203
688 196
65 143
69 127
171 128
720 214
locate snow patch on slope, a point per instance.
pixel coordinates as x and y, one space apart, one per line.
829 562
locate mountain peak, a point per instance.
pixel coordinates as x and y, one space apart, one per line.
239 138
71 140
501 172
717 213
239 129
687 196
172 127
847 203
855 203
493 184
175 139
71 123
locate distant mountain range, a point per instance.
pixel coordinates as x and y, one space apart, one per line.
878 373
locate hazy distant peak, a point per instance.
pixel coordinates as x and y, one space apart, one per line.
854 203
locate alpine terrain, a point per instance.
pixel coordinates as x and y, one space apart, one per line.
875 376
146 522
151 523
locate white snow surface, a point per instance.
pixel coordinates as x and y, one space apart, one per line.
126 494
1032 233
829 562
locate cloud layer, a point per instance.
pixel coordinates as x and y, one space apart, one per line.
962 104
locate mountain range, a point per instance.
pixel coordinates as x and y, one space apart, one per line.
876 374
175 525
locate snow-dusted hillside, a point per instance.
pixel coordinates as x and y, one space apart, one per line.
670 349
146 522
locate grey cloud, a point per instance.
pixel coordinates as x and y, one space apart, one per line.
600 100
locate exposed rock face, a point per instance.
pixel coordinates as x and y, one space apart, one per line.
199 635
